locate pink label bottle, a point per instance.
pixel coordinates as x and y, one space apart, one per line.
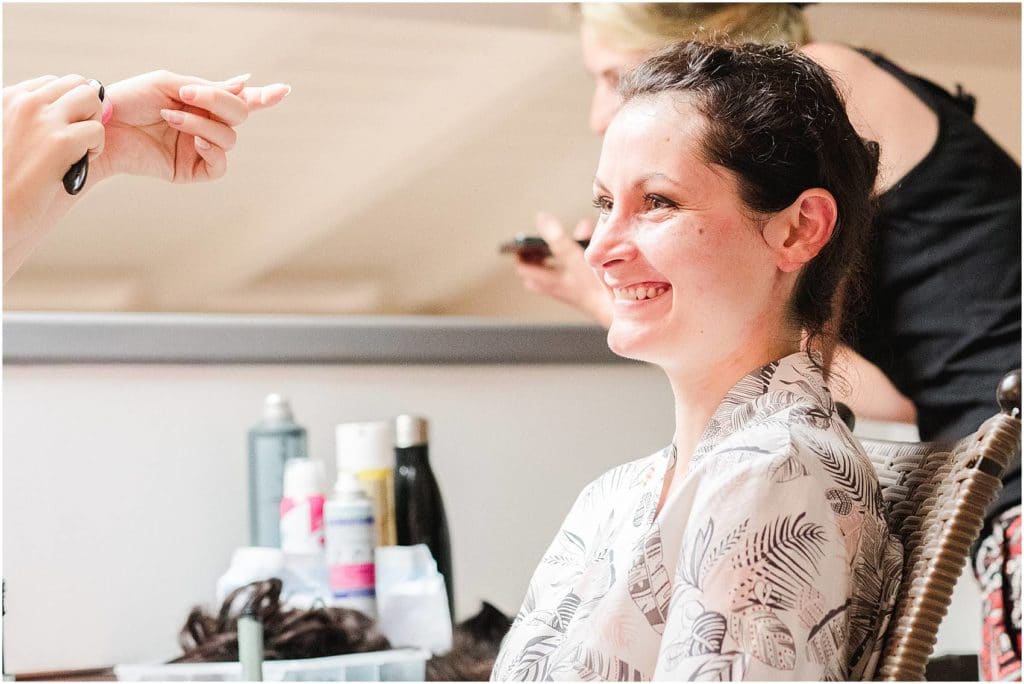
351 540
302 507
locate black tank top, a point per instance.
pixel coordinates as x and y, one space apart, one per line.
943 313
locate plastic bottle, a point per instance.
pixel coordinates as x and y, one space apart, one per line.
419 509
302 507
367 450
276 439
250 643
351 538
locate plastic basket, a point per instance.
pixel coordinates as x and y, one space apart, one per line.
404 664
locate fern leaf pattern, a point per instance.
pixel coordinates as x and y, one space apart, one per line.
706 637
532 663
770 558
559 618
724 546
787 467
529 603
592 665
725 667
783 555
850 470
690 565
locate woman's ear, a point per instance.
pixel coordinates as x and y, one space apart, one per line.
797 233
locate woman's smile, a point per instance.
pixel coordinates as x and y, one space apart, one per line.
639 293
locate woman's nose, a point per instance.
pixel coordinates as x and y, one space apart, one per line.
609 244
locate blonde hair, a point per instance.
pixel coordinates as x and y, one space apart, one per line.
650 26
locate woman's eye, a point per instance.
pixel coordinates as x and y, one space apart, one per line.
604 204
659 202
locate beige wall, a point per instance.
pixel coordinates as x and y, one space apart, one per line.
416 140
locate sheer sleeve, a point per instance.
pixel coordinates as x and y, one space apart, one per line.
761 587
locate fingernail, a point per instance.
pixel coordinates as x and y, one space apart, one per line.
108 111
187 93
238 79
273 92
172 116
202 144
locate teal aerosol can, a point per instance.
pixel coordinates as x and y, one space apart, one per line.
272 442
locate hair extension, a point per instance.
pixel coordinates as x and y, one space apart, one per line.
475 645
288 634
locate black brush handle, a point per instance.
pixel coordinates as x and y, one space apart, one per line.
74 179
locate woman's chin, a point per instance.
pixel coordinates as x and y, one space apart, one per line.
630 342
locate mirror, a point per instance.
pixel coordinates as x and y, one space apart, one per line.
417 138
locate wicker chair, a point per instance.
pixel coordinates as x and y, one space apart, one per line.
935 499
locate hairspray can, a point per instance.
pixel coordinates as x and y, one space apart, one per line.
276 439
351 539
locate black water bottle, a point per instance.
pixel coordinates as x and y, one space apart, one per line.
419 511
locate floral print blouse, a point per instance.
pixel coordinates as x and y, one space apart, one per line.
771 559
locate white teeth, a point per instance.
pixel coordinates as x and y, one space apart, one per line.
638 293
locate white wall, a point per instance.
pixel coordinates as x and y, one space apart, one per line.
125 486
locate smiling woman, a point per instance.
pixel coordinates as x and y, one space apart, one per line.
754 546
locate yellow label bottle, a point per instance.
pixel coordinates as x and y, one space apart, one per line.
379 485
367 450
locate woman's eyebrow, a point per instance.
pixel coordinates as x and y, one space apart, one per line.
640 182
657 176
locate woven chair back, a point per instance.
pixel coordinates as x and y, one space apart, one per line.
935 497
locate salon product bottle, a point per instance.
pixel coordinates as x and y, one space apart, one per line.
367 450
250 643
273 441
351 538
302 507
419 509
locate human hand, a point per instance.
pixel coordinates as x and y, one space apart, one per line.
565 275
49 124
176 127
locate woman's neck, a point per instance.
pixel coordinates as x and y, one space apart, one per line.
698 391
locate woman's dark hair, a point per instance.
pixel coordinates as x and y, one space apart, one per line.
775 119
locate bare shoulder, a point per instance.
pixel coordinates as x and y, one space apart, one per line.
851 71
880 107
835 56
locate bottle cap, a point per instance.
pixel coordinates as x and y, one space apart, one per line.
365 446
303 477
276 407
410 431
348 487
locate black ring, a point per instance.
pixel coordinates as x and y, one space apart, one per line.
99 86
